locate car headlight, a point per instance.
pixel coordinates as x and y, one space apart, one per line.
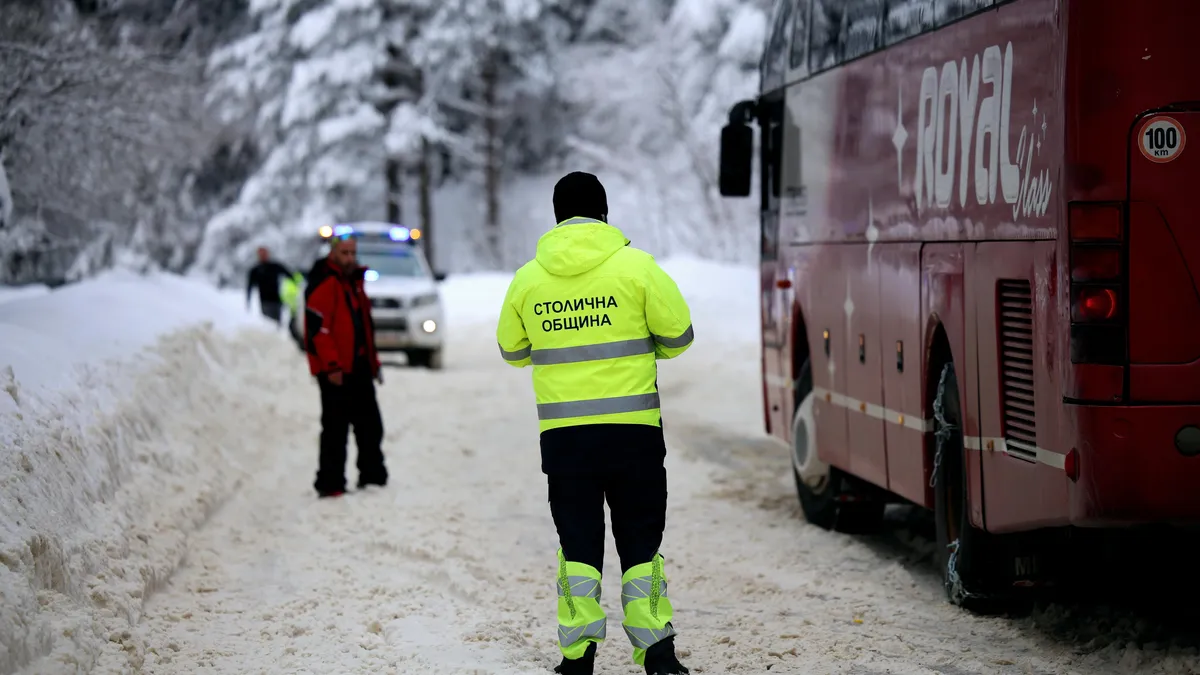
427 299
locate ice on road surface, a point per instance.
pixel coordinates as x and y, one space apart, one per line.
450 568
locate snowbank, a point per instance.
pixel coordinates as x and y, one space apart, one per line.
106 467
723 298
11 293
115 315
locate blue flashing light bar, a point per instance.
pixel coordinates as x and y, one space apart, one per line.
396 233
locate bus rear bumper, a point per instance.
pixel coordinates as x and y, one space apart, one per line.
1133 466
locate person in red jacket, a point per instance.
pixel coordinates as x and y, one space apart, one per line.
340 340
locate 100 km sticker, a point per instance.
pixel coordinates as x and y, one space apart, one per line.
1162 139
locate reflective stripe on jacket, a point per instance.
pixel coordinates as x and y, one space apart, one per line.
592 315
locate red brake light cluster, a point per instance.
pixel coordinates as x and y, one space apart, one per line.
1098 333
1095 304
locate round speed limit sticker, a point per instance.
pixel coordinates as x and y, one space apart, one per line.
1162 139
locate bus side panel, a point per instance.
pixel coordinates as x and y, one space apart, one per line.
1023 483
786 297
900 350
777 419
863 366
807 197
943 294
825 281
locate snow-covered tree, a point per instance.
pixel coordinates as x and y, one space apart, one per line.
635 92
324 110
653 83
489 97
99 100
300 86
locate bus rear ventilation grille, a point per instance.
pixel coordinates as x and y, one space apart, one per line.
1016 367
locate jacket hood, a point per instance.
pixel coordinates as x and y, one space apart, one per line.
578 245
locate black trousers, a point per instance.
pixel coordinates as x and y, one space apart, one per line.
352 404
620 464
272 310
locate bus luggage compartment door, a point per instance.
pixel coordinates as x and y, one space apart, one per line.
1164 258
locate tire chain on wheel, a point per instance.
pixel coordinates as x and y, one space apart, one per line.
944 429
943 434
957 590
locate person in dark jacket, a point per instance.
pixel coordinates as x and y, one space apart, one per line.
266 275
339 336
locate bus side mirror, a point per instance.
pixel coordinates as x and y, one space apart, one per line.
737 159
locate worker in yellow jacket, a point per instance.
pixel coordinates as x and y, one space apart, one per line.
592 316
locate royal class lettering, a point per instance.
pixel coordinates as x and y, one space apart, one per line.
575 322
576 305
966 141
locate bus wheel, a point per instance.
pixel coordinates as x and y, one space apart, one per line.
964 552
827 495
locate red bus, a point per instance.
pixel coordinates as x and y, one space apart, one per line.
980 256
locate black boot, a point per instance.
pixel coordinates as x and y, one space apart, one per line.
660 659
580 666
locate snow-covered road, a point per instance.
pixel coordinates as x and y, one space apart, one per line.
449 569
157 517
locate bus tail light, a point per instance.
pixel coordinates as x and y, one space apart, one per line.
1095 304
1098 293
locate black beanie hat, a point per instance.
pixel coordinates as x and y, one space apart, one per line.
580 195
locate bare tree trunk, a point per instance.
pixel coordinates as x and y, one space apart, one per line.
492 160
6 205
395 189
425 195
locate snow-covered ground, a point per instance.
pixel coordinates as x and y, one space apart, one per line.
115 445
449 569
12 293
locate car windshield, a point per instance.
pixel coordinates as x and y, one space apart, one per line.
397 261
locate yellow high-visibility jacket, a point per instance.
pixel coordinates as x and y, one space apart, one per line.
289 291
592 315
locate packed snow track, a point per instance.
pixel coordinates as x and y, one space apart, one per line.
449 569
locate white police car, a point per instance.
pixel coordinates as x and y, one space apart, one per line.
405 302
